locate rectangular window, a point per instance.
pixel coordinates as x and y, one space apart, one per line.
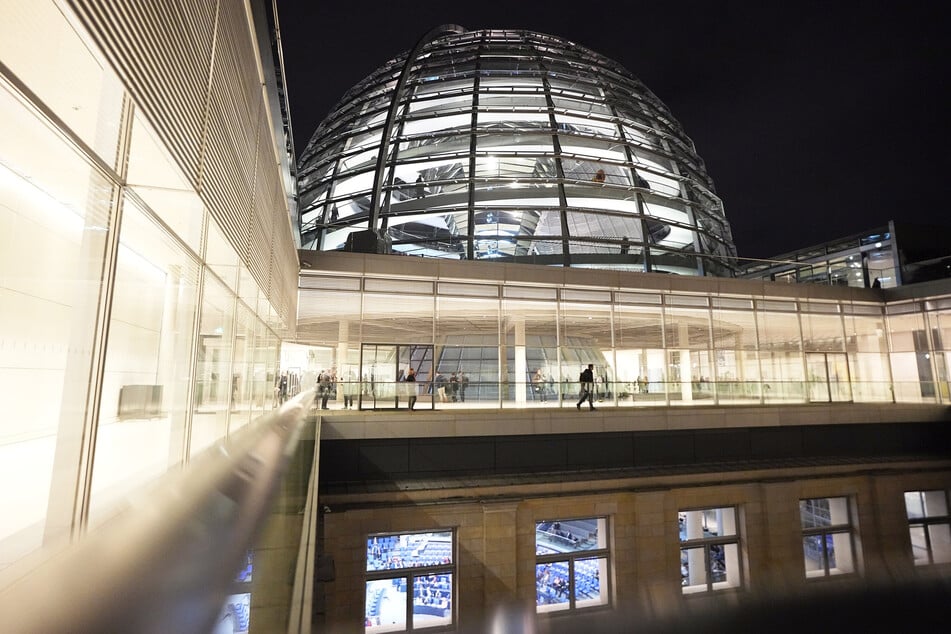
827 536
929 526
709 550
571 564
409 581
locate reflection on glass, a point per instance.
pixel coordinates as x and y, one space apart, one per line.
412 550
564 580
551 586
235 615
588 586
814 555
568 535
385 605
432 600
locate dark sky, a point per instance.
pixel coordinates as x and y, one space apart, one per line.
816 119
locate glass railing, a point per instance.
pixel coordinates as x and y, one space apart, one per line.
431 395
186 553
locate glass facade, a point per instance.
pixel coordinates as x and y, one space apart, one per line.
709 550
571 564
929 526
409 581
521 344
827 536
513 146
129 341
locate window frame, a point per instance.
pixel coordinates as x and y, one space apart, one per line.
570 558
825 532
408 574
707 543
925 522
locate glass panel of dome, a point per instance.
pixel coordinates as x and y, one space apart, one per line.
361 183
519 81
539 250
433 145
445 122
489 101
603 225
505 139
594 148
443 104
364 140
581 194
515 194
585 126
334 240
360 160
640 138
581 106
514 120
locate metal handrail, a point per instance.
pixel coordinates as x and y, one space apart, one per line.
165 563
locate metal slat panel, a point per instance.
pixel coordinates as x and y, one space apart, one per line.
191 67
162 52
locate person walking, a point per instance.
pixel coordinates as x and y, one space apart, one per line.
453 387
463 384
587 387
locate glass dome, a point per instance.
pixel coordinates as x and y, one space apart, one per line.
512 146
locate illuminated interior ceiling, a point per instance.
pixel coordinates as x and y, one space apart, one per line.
513 146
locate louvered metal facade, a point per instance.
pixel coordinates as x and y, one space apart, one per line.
194 68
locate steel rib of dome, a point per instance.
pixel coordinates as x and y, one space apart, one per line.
514 146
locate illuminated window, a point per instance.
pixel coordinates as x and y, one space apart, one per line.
409 581
827 536
571 564
929 526
709 550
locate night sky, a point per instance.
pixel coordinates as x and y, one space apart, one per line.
815 120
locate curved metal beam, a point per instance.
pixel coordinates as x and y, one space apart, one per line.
375 197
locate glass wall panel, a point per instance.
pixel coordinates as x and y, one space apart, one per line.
822 333
781 361
44 51
264 355
586 337
640 357
328 316
397 318
467 342
54 223
154 176
530 340
911 360
687 333
213 378
867 347
221 257
736 360
241 368
148 361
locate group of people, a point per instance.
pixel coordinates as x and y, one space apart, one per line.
451 389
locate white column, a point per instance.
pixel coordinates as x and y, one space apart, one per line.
521 365
696 570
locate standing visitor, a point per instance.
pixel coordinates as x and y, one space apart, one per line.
411 389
